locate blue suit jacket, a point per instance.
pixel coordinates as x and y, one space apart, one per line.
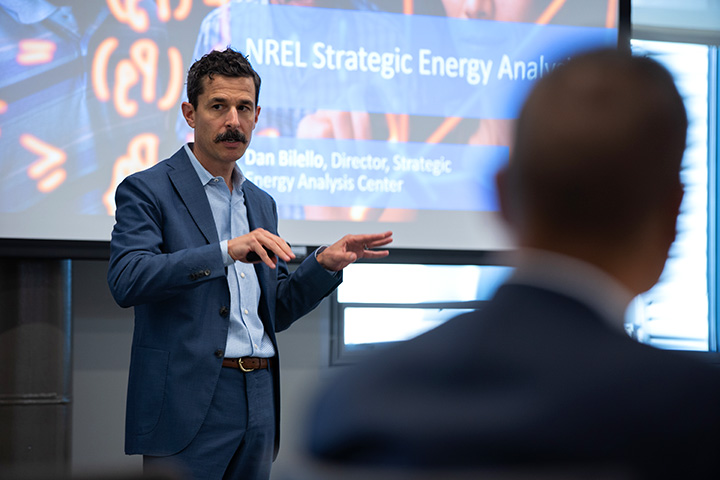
166 262
534 377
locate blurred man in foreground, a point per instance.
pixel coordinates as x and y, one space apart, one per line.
544 374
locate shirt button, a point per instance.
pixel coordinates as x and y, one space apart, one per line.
242 275
246 311
256 346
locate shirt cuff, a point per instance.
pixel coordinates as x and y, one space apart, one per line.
318 252
227 259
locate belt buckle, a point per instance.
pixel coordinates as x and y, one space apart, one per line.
240 365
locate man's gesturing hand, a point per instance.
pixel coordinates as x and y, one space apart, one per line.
267 246
351 247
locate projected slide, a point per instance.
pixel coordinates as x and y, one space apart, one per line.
374 114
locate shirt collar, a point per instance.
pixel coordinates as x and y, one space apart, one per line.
206 177
577 279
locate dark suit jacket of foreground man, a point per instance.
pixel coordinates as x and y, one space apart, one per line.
179 338
544 375
534 378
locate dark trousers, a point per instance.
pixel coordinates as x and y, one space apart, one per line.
236 439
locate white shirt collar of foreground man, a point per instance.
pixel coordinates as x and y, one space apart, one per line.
576 279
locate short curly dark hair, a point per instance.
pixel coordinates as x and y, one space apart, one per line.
227 63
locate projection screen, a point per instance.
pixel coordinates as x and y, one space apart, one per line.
375 114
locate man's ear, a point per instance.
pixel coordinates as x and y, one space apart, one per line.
188 112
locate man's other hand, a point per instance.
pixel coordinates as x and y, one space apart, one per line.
259 246
351 247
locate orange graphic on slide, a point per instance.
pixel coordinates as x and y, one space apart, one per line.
35 52
142 153
142 67
215 3
47 169
3 109
128 12
180 13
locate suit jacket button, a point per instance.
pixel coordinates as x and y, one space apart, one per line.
224 311
207 273
219 353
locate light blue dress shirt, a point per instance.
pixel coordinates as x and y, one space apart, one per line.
246 336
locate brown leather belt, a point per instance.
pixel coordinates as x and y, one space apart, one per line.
247 364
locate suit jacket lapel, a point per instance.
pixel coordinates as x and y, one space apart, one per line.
188 186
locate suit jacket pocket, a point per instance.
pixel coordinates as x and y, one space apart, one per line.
146 388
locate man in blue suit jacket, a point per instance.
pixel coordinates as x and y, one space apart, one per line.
196 251
545 376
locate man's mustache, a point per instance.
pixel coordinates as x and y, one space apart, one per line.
231 136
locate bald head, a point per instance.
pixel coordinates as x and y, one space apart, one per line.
596 156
